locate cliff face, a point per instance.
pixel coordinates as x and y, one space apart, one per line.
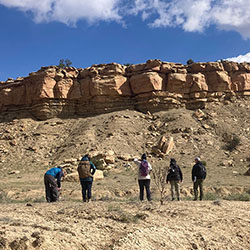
152 86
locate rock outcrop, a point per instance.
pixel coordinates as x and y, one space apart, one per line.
151 86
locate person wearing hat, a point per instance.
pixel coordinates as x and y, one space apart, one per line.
199 174
175 177
144 168
52 182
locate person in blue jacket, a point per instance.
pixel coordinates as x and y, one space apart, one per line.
86 169
52 182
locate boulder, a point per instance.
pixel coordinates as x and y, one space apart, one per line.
241 81
218 81
13 95
110 86
177 83
197 82
98 175
147 82
72 177
62 87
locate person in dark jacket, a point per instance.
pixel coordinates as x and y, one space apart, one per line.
86 169
52 182
175 177
198 176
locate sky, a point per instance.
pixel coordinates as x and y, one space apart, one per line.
36 33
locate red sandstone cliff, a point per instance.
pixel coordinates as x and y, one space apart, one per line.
154 85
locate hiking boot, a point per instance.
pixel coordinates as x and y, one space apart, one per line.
89 201
178 199
173 199
195 199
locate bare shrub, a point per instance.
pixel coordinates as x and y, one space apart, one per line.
159 175
231 142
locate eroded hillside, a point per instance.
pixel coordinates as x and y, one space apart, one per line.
219 134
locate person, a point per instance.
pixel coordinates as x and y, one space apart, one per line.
86 169
52 182
175 177
198 176
144 168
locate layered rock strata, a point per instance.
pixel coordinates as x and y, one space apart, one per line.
151 86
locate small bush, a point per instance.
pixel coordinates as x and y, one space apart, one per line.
204 163
238 197
115 208
232 143
64 63
127 218
190 61
211 196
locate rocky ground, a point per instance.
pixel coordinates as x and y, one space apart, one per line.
126 225
219 134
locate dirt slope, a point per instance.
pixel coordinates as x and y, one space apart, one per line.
219 134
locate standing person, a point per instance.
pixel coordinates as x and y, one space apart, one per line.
52 182
199 174
144 169
175 178
86 169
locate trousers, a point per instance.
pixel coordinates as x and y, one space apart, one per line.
144 184
51 191
198 184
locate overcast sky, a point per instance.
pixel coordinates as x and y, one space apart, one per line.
35 33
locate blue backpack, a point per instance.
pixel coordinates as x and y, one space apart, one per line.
144 169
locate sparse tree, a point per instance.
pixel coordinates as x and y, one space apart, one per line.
127 64
61 64
160 175
64 63
190 61
67 63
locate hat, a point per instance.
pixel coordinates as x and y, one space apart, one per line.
172 160
197 159
143 157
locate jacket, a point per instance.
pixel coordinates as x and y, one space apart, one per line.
140 177
199 171
174 173
57 173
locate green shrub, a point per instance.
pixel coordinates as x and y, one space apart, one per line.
232 143
112 208
238 197
190 61
211 196
64 63
204 163
127 217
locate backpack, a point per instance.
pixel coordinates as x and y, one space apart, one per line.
84 169
173 173
144 169
202 172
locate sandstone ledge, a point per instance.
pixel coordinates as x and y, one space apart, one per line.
152 86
